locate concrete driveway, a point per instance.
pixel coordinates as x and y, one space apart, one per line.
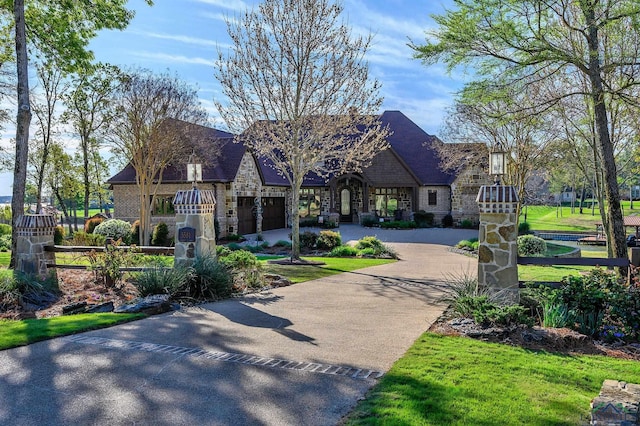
297 355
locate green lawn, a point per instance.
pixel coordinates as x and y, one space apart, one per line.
445 380
333 265
19 333
549 218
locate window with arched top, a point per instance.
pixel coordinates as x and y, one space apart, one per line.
345 202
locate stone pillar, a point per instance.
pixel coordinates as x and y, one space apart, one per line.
34 233
498 249
195 231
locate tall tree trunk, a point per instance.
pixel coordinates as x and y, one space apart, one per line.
85 171
615 224
23 120
295 219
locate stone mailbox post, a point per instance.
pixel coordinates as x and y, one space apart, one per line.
498 245
34 233
195 231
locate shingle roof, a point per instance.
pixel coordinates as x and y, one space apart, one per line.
415 147
412 145
219 168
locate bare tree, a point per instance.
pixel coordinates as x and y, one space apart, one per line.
297 81
142 132
52 86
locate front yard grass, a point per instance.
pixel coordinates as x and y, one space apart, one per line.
24 332
462 381
333 266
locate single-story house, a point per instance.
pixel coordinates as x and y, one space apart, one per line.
401 180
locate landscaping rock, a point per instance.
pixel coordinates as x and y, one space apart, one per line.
154 304
74 308
99 308
617 404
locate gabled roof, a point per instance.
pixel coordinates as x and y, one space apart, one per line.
415 148
221 167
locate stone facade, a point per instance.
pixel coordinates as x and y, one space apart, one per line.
194 225
443 201
463 194
498 248
34 233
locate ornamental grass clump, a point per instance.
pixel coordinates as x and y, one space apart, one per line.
161 280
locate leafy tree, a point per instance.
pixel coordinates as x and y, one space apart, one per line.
59 31
537 40
142 131
88 111
298 82
63 178
52 86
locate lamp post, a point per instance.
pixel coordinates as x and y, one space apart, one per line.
497 163
194 170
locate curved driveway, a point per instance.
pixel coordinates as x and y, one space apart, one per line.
302 354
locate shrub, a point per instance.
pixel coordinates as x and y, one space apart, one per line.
245 268
466 224
161 280
343 251
447 221
470 244
524 228
58 235
423 219
5 243
222 251
398 224
308 240
530 245
367 252
116 229
379 249
328 240
91 223
234 237
283 243
135 232
234 246
5 229
160 235
309 222
81 238
369 221
209 279
107 265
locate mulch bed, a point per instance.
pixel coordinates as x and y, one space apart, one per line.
557 340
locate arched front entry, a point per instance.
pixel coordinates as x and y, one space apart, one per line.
350 197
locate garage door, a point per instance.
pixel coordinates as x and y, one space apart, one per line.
246 217
273 214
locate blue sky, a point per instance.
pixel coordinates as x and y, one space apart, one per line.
182 36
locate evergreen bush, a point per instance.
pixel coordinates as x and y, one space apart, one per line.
116 229
530 245
160 235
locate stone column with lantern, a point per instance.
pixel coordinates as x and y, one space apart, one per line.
498 246
195 230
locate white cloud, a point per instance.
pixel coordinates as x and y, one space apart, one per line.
175 59
237 5
179 38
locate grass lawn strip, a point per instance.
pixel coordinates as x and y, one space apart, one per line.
461 381
333 266
24 332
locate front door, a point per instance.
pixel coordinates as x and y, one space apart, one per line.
346 206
